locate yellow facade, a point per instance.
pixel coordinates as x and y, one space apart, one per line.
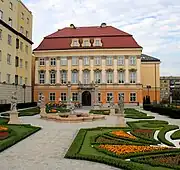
21 43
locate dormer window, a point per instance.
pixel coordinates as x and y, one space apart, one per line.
97 42
86 43
75 43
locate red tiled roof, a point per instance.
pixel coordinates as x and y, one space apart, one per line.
111 38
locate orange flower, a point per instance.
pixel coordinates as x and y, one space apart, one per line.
124 149
2 128
121 133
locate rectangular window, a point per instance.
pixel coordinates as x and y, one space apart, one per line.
109 61
39 95
17 61
121 77
41 77
99 97
1 15
21 30
21 46
97 61
52 97
17 43
74 77
41 62
27 20
0 77
53 77
86 43
26 80
63 77
74 61
97 42
20 81
26 49
26 65
9 39
75 43
53 61
109 76
86 77
8 58
132 60
8 78
132 97
22 15
27 34
63 61
0 55
63 96
21 63
120 95
16 79
120 60
11 5
97 76
10 22
0 34
74 96
109 96
86 61
132 77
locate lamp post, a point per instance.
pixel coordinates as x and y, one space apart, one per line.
148 87
24 87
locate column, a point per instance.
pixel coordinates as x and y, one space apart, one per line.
36 71
92 70
69 68
47 71
127 69
103 69
58 71
80 69
115 70
138 70
69 95
80 97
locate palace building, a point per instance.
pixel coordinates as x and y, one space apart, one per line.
15 51
86 59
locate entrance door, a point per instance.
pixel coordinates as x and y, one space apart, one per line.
86 98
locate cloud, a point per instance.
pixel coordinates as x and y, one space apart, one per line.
155 24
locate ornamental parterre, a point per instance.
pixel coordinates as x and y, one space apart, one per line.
123 134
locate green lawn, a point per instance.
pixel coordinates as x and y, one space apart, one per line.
176 135
27 112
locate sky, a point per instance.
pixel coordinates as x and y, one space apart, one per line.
155 24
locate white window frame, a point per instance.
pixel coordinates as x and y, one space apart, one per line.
133 98
74 78
42 61
121 77
109 60
109 76
133 77
86 77
86 60
63 97
63 61
11 5
97 76
9 39
108 95
97 42
41 77
52 96
52 77
63 76
9 59
75 43
75 96
121 60
97 61
132 60
121 94
86 43
53 62
74 61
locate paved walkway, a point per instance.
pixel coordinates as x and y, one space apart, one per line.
45 149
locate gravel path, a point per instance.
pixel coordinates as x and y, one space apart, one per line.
45 149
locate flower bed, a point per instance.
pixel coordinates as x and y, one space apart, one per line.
4 135
123 134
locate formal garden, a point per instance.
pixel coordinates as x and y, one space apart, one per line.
142 144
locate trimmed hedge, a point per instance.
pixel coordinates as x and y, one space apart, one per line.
102 112
163 131
6 107
162 110
175 135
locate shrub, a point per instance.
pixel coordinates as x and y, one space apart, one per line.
102 112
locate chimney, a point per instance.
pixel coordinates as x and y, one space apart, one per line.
72 26
103 25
